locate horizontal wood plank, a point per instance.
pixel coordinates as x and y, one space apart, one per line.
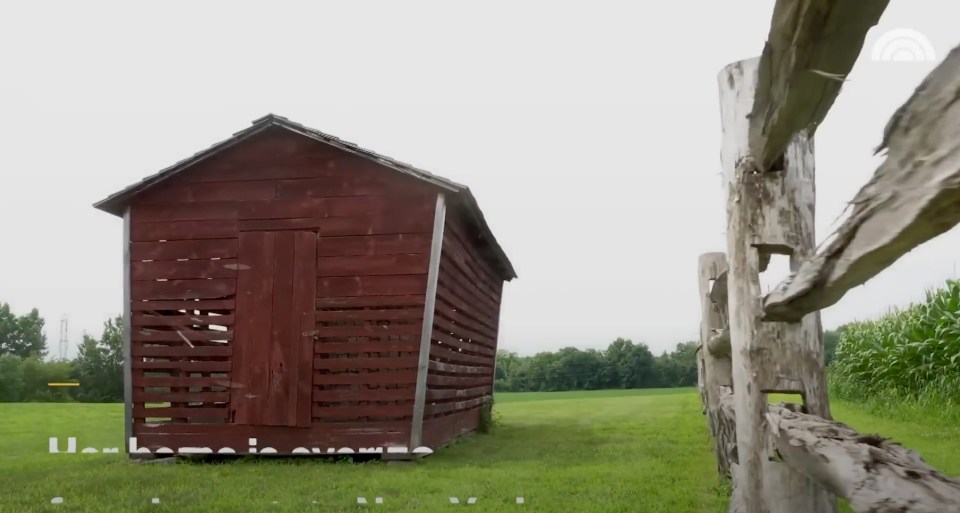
209 211
183 270
183 289
355 412
235 191
365 347
467 393
394 223
190 305
810 50
182 366
436 409
328 303
402 377
372 265
139 319
183 230
396 244
913 197
191 249
459 369
398 285
391 314
173 397
333 396
140 412
180 351
147 335
365 363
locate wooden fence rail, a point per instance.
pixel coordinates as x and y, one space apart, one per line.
787 460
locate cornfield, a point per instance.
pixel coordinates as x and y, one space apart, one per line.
908 353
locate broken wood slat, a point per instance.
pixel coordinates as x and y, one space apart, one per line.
874 474
913 197
810 50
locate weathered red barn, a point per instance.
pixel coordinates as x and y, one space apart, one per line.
293 288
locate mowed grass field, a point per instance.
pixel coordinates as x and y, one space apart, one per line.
605 451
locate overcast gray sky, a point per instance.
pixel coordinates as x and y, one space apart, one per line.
588 131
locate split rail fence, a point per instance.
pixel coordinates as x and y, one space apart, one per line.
794 458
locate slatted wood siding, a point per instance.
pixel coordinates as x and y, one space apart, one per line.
464 343
372 228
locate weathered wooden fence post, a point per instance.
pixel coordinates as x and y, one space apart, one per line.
769 211
714 356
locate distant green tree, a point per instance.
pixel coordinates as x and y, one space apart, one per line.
11 378
37 374
22 335
99 365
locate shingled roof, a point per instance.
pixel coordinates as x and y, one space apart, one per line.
117 202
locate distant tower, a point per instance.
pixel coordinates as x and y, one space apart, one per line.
63 338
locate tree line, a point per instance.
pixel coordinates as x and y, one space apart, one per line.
25 370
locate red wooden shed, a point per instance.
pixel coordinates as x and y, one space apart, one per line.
293 288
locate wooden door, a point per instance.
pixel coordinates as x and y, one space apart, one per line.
272 363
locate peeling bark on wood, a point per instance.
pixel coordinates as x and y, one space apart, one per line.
715 370
913 197
768 212
811 48
874 474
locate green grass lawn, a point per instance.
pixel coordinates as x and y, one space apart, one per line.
605 451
